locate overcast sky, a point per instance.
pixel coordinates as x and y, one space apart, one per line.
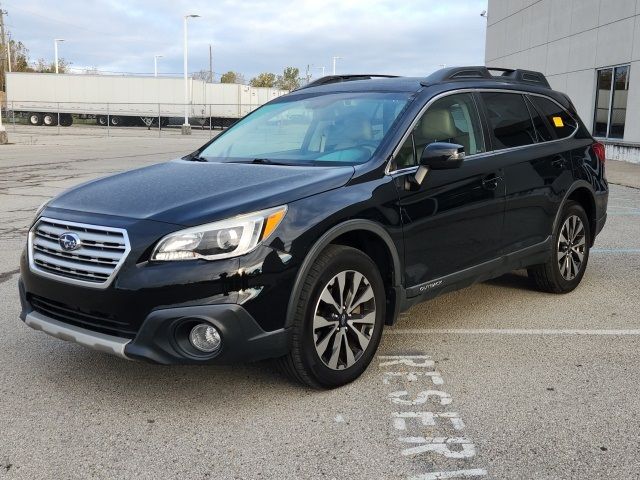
404 37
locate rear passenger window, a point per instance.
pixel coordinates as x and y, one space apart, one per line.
509 119
561 122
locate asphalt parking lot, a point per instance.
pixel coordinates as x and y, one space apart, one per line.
493 381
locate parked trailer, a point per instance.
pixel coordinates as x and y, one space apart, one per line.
49 99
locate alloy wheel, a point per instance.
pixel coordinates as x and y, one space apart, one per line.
571 247
344 320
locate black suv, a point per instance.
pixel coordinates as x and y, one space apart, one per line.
302 230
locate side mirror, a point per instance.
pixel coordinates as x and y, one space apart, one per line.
440 156
437 156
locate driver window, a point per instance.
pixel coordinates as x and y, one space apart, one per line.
451 119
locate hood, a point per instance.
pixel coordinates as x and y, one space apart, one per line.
191 193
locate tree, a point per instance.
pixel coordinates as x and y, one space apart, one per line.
232 77
19 57
264 79
19 60
290 79
42 66
203 75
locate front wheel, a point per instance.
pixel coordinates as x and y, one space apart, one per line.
569 253
338 321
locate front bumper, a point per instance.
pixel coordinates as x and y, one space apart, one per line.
95 340
161 338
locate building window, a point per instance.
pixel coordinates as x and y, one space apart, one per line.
611 102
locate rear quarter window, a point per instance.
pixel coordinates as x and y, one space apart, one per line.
561 123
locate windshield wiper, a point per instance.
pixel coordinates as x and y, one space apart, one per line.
197 158
263 161
266 161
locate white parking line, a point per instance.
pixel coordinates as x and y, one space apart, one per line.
510 331
615 250
473 472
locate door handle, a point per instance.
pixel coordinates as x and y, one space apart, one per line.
490 182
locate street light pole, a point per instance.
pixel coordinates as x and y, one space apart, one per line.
55 50
321 68
155 64
186 128
334 63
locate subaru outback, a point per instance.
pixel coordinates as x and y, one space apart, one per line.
309 225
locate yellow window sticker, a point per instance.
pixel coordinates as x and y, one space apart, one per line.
557 121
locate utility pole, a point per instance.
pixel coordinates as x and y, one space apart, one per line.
9 52
3 132
308 74
5 60
210 64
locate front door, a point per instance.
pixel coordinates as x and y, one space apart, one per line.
453 220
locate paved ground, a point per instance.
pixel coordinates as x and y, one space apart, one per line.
528 385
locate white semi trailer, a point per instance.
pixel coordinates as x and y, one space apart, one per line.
46 99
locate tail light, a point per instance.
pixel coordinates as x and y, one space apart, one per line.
598 148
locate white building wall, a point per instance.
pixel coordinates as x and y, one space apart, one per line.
568 40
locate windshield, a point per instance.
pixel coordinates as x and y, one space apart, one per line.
329 129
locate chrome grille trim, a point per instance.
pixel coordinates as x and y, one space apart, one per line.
102 252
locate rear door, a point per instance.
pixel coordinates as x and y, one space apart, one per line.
537 169
453 220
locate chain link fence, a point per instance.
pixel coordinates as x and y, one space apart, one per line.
119 119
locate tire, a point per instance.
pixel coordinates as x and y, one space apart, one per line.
101 120
66 120
35 119
568 259
50 119
310 360
116 121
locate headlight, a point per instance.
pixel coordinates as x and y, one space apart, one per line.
224 239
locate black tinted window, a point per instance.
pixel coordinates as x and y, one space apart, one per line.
562 124
509 119
543 130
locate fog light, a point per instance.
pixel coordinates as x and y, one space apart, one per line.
205 338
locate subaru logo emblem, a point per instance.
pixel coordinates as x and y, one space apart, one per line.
69 241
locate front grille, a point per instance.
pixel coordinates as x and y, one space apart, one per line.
96 321
101 253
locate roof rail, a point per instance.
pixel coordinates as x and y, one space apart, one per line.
484 73
343 78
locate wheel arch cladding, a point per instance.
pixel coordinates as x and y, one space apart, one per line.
368 237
